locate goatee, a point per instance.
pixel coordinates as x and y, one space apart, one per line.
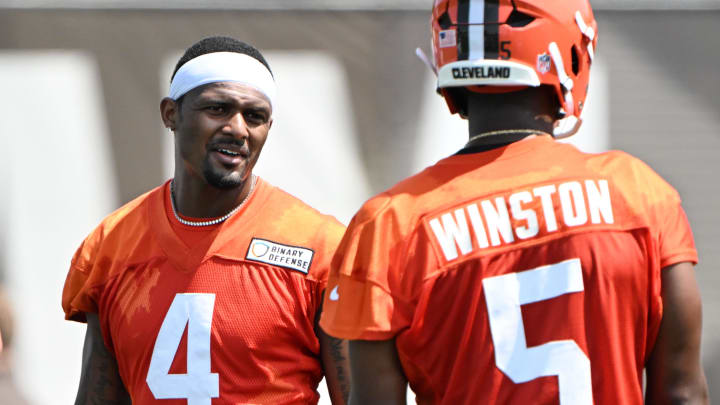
223 181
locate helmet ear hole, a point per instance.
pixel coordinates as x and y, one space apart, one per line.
444 21
575 60
518 19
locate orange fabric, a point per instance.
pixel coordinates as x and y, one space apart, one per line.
403 272
262 345
189 235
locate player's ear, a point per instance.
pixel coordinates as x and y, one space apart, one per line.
169 113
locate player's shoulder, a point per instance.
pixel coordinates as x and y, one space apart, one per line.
294 212
130 219
632 175
402 205
285 219
132 214
291 230
614 160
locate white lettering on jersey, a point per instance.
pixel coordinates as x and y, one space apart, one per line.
452 231
493 223
572 202
531 229
545 193
478 227
498 221
599 201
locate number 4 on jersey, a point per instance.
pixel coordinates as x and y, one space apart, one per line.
563 358
199 385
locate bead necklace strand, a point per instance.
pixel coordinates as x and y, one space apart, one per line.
253 180
505 132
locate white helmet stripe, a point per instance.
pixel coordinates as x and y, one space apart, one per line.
476 32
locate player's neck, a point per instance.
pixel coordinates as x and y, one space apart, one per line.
197 199
508 117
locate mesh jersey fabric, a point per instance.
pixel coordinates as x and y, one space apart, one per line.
188 235
263 346
424 261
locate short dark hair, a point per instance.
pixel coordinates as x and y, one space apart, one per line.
219 44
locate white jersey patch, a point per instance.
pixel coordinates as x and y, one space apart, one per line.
277 254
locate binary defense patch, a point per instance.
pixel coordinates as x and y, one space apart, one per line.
277 254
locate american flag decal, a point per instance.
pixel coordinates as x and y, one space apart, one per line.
447 38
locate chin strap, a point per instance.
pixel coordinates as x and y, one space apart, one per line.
424 58
566 127
570 124
565 80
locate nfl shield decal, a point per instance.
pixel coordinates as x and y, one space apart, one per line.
543 63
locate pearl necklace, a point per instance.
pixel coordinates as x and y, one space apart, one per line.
253 180
504 132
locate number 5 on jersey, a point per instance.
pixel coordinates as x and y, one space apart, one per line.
563 358
199 385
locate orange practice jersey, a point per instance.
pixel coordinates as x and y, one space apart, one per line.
228 320
528 274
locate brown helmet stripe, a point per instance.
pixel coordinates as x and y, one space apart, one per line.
492 37
463 32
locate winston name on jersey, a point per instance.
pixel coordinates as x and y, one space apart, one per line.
532 212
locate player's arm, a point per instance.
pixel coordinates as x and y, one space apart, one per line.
377 375
99 381
674 371
334 353
336 364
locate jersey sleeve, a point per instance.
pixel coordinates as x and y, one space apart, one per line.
81 290
328 240
366 298
675 236
672 230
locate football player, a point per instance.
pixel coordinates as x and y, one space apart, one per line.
207 289
519 270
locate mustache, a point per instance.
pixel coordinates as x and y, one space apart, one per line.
226 142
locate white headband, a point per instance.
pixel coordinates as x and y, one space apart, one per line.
223 67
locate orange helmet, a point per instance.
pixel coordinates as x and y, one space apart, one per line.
491 46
